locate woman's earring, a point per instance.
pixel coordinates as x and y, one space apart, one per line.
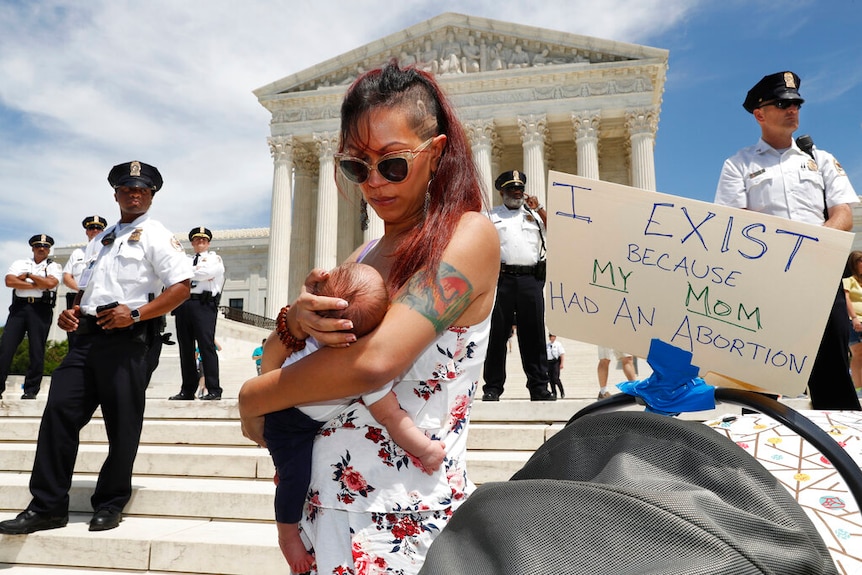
363 214
427 198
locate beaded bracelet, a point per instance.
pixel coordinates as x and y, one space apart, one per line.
287 339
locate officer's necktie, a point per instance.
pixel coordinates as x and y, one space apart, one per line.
195 260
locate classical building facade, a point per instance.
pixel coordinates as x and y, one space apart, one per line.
531 99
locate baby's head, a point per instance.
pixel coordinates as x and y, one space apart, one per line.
363 288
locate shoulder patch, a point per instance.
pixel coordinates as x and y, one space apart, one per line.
838 167
176 244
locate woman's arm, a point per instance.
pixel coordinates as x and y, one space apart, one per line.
462 293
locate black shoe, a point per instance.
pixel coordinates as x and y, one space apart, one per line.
30 521
28 396
541 395
105 519
211 397
491 396
182 397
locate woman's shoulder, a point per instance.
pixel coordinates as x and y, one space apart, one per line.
476 223
476 238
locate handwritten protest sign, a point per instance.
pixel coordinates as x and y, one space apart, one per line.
748 294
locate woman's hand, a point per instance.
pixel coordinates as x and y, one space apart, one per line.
307 317
857 323
252 428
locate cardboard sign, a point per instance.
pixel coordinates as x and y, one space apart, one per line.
748 294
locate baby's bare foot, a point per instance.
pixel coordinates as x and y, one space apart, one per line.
293 549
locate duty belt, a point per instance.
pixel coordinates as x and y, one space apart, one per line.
31 299
517 270
87 325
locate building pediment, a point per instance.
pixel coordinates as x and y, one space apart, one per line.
459 45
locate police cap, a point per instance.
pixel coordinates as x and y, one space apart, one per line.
778 86
94 221
510 179
135 175
41 240
200 232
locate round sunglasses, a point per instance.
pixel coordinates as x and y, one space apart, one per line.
393 167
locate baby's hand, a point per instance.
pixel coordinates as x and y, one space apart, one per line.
433 456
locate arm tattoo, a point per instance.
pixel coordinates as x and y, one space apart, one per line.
442 299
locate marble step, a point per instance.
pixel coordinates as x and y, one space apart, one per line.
146 545
213 464
239 499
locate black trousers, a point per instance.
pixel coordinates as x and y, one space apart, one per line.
520 302
196 324
289 435
101 369
829 384
34 321
554 377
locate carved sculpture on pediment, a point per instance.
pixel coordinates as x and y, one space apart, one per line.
450 55
428 59
464 51
472 55
541 58
519 58
497 57
406 59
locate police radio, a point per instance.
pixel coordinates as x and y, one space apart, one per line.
806 144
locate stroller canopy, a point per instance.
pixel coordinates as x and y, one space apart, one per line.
632 492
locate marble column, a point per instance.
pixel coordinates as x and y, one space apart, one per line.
302 238
496 168
326 237
642 125
482 134
534 130
586 130
375 225
278 272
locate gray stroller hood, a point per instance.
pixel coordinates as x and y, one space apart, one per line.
632 493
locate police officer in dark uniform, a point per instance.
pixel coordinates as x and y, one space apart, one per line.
520 223
34 283
127 266
196 319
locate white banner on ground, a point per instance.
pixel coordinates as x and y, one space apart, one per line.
748 294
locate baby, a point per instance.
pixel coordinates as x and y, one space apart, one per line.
290 433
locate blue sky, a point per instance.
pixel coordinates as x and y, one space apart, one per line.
86 85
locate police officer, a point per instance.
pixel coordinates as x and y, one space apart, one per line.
775 176
93 226
520 223
196 319
34 284
126 268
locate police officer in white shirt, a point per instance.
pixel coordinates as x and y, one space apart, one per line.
127 267
34 284
520 223
196 319
93 226
776 176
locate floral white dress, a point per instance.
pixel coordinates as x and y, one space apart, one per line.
371 508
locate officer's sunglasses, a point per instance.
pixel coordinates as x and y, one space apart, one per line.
784 104
393 167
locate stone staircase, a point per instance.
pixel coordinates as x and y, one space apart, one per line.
203 494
